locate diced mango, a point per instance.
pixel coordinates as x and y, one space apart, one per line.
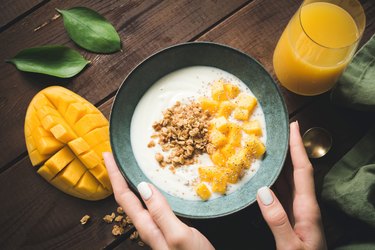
217 138
225 109
207 173
30 144
208 104
79 146
218 91
36 158
46 173
203 191
60 160
231 90
252 127
75 112
102 147
87 185
246 101
40 101
218 158
241 114
228 150
48 145
219 183
97 136
221 124
239 160
63 133
100 173
72 173
50 132
232 174
235 135
254 146
90 122
90 159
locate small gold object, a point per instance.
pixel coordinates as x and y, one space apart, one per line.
317 142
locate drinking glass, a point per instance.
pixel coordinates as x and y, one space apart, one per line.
317 45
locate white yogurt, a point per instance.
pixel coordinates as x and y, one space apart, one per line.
181 85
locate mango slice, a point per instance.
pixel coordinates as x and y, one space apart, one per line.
65 137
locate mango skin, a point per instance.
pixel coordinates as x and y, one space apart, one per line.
65 137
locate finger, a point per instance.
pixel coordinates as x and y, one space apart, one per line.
303 172
176 233
148 230
285 195
276 218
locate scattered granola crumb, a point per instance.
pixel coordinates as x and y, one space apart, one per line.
119 218
85 219
109 218
117 230
134 235
151 144
120 210
141 243
128 220
184 132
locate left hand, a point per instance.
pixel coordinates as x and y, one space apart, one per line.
157 225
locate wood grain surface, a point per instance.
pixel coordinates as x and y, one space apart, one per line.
35 215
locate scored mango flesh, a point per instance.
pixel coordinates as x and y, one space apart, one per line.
65 137
233 134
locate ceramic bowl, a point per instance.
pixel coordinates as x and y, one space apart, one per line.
223 57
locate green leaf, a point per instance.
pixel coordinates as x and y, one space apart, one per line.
51 60
90 30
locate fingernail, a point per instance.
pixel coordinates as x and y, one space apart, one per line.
265 195
145 190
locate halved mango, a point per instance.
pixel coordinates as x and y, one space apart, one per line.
66 136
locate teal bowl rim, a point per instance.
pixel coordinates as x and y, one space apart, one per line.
283 109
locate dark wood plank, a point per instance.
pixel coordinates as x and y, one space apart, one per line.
12 11
35 215
144 27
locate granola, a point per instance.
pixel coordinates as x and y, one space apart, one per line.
183 133
85 219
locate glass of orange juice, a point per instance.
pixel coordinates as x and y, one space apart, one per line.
317 45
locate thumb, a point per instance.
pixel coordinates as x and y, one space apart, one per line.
276 218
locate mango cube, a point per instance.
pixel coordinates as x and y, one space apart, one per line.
208 104
48 145
46 173
254 146
104 146
221 124
60 160
203 191
217 138
228 150
72 173
252 127
90 159
79 146
225 109
87 185
246 101
235 135
239 160
90 122
49 121
101 175
63 133
219 183
37 158
218 158
218 91
207 173
232 175
231 90
74 112
97 136
241 114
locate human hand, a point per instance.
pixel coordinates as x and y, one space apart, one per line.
299 226
157 225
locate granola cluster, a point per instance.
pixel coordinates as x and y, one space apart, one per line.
183 132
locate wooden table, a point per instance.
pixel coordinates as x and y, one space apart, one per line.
35 215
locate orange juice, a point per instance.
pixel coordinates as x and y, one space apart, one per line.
315 48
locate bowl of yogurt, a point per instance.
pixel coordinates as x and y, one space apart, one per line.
182 74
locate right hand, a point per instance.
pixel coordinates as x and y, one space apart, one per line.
301 226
